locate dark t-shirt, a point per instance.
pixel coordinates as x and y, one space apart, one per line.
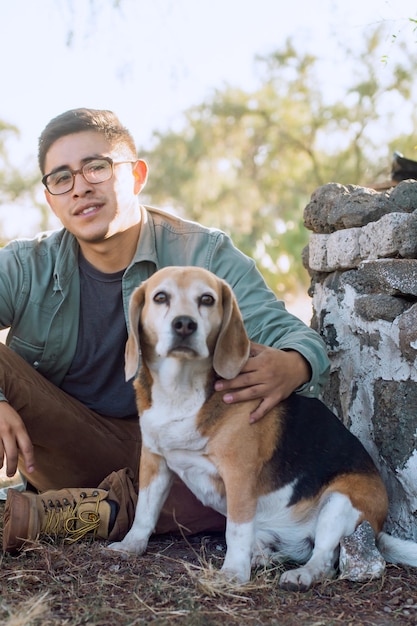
96 376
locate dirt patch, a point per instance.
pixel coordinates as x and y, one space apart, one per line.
51 585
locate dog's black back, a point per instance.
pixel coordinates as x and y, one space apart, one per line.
314 448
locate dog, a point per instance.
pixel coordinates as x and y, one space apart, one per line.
291 485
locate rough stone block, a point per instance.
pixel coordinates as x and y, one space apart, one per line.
377 306
395 420
390 276
404 196
406 236
382 239
407 324
359 208
343 249
321 203
317 253
330 395
360 559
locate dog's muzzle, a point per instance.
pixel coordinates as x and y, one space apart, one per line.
184 328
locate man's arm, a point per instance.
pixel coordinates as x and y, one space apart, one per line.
286 354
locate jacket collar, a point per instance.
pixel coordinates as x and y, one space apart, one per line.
67 257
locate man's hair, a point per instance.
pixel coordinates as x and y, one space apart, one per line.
79 120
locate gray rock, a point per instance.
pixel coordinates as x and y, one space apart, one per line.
395 420
407 325
360 560
390 276
360 208
404 196
380 307
393 235
322 202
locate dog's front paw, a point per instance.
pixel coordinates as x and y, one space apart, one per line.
302 578
299 579
127 546
235 576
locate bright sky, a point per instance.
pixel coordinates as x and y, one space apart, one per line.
155 58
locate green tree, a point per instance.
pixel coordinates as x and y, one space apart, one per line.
18 186
248 162
12 183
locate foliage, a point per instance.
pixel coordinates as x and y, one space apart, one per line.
18 186
248 162
12 183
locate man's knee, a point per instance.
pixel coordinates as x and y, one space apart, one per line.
15 374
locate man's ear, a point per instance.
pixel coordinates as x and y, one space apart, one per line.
140 172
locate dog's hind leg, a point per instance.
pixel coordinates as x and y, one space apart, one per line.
336 518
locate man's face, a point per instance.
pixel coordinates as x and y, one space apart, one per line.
95 212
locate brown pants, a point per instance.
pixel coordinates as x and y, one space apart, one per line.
76 447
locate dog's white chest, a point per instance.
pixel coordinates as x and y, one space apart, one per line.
171 420
164 430
177 396
169 430
183 448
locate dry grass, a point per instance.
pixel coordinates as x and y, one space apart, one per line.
175 583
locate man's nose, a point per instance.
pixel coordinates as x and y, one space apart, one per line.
81 186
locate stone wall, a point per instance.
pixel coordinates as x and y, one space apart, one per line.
362 259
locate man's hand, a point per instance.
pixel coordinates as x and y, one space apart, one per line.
270 375
14 439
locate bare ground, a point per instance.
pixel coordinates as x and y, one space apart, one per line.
82 584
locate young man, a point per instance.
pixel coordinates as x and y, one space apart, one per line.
68 419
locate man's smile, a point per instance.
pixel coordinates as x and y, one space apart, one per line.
88 209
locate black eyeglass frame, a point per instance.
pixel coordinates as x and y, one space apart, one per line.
81 171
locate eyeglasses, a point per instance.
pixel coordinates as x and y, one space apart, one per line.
94 171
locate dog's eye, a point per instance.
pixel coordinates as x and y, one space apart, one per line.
160 297
206 300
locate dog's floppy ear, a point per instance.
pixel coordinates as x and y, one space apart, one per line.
132 350
233 346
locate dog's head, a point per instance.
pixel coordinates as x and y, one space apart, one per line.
186 313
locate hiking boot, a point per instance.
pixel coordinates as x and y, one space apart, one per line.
70 514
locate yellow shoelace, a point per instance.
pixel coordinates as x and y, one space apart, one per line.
65 519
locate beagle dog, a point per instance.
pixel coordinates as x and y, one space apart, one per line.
291 485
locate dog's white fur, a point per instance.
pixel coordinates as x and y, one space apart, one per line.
187 325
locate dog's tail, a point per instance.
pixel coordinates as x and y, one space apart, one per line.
395 550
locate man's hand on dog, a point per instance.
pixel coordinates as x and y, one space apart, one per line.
270 375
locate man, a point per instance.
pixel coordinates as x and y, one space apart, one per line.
68 419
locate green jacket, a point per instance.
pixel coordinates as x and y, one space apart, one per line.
39 292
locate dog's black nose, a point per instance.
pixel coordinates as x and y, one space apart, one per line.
184 325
